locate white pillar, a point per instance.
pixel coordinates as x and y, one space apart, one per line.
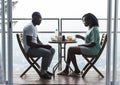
108 53
3 55
115 43
10 55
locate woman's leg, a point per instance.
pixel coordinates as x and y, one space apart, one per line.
71 57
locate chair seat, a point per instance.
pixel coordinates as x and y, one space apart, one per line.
89 55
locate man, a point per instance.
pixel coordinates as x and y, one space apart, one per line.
34 47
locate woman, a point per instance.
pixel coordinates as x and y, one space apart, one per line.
91 46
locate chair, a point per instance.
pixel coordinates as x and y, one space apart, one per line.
32 61
92 59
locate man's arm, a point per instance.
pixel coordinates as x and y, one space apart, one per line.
39 41
30 43
35 45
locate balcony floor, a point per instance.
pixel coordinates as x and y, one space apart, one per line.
92 78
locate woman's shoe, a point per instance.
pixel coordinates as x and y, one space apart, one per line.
77 71
74 74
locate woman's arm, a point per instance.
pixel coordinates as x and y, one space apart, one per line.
79 36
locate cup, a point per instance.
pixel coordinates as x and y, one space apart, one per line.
69 38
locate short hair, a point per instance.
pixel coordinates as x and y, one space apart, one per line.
36 14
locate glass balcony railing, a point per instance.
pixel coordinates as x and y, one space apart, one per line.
67 26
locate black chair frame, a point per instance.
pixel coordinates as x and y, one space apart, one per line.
31 60
92 59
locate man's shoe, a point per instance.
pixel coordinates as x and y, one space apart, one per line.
45 76
51 74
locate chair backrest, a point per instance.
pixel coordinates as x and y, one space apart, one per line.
19 39
102 43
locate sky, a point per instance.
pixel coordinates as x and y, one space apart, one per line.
60 8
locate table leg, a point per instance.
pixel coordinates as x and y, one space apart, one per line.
56 66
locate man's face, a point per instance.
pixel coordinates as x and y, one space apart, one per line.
37 19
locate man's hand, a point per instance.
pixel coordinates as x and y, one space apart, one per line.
47 46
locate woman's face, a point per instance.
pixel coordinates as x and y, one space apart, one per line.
85 22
